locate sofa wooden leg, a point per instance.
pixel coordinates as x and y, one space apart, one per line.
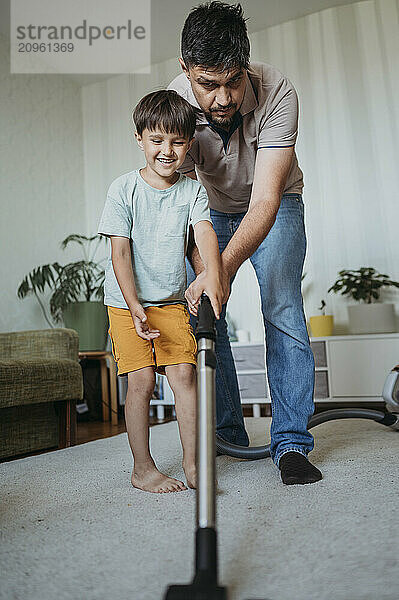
67 423
104 389
71 411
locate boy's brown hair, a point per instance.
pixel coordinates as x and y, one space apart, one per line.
167 110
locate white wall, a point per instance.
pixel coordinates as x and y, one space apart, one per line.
344 63
41 182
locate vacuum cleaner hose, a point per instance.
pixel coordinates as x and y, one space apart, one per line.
258 452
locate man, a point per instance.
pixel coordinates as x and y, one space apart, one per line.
244 155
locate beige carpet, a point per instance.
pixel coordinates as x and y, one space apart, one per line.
73 527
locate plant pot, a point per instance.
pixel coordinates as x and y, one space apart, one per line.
372 318
90 320
321 325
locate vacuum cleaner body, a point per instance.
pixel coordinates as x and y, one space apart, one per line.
390 393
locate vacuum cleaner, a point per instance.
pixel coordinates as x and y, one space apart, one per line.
205 584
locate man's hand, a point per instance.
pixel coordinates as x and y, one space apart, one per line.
215 286
142 328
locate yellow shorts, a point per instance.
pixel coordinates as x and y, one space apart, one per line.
175 344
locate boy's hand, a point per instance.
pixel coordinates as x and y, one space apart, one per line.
142 328
211 284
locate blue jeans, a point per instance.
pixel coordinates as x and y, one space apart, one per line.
278 264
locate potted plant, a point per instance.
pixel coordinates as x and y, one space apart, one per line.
321 325
78 298
364 286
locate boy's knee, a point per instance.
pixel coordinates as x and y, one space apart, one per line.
142 380
182 375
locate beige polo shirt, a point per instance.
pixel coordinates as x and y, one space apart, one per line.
267 118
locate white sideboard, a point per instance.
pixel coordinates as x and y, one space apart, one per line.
350 368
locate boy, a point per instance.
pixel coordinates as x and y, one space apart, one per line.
147 215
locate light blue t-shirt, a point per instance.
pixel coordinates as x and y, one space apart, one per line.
157 223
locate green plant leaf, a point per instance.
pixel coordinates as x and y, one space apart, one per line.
72 282
362 284
78 239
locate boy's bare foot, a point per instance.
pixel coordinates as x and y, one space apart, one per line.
191 475
152 480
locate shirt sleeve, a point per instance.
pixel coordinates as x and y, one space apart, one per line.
116 218
200 210
279 125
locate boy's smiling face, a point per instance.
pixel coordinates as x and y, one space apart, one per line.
164 152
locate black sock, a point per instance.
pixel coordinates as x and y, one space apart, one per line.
295 468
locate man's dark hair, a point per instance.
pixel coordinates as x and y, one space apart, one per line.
167 110
215 36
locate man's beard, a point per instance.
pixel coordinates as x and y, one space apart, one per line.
220 120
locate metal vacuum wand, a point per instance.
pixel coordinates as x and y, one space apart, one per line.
205 584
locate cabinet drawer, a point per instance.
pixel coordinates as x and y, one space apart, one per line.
252 386
321 385
249 357
319 353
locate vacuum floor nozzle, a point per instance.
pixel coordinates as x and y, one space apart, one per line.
195 592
